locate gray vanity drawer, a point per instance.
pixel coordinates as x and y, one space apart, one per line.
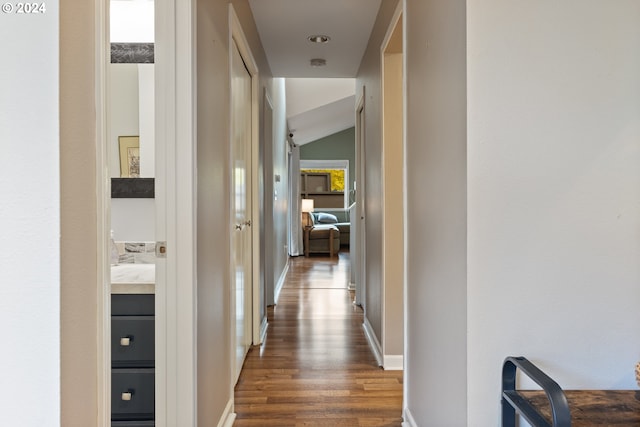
132 304
132 394
132 341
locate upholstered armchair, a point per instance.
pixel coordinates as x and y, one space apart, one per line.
320 237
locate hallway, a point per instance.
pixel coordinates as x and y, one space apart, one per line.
315 367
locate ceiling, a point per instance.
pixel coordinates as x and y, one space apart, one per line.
319 107
320 100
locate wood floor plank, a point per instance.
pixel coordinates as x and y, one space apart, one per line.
316 368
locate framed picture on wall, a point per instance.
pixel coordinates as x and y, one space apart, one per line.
129 156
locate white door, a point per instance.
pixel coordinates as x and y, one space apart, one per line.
241 237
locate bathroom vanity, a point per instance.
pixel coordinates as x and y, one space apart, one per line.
132 360
133 339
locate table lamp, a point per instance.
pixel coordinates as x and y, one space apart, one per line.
307 208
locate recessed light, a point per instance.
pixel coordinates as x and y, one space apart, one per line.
318 62
318 38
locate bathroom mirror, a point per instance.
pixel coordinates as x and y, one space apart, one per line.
131 95
132 110
132 120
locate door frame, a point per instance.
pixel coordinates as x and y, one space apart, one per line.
176 290
103 209
236 34
176 398
360 190
392 56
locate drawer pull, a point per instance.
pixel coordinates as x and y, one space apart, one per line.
125 341
127 395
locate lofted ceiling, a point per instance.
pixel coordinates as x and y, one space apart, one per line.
319 107
320 100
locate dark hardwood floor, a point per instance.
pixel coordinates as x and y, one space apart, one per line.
315 367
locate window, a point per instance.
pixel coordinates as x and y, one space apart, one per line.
326 182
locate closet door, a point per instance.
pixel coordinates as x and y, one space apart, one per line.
241 237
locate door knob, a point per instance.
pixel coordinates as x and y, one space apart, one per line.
248 223
238 226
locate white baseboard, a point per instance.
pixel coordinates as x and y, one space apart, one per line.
393 362
228 416
389 362
280 284
408 419
263 329
373 341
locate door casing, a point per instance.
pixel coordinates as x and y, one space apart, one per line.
393 200
360 191
237 35
176 398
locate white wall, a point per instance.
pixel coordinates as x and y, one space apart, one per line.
30 216
146 114
280 202
133 219
554 185
214 367
436 325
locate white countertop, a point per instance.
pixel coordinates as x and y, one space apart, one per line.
133 279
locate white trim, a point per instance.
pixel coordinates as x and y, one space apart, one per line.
263 329
176 308
324 164
331 164
393 362
358 226
397 14
230 260
228 416
103 209
408 419
405 388
294 228
280 284
373 341
255 200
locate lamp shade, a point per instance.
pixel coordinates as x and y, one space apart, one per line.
307 205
